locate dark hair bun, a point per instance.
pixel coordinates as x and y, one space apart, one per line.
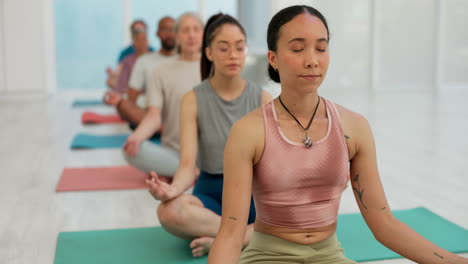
274 75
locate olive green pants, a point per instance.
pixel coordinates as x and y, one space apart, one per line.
264 248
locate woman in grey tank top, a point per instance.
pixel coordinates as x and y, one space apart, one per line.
206 116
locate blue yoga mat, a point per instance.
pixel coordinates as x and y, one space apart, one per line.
91 141
87 102
154 245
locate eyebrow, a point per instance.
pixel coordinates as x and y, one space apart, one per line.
224 41
303 40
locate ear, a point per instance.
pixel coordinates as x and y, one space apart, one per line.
158 34
209 53
272 59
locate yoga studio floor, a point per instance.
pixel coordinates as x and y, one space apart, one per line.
422 147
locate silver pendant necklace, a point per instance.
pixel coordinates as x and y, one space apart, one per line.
307 140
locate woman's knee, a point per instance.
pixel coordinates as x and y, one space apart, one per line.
132 160
172 212
152 157
142 160
178 211
127 157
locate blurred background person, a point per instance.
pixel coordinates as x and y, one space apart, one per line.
113 75
171 80
132 107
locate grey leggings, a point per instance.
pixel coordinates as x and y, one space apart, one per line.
151 157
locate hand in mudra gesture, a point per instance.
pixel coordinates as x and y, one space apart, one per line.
159 189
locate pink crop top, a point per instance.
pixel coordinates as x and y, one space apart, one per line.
296 187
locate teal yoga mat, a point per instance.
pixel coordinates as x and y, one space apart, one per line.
91 141
123 246
360 245
87 102
154 245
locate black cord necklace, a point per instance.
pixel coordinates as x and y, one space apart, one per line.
307 140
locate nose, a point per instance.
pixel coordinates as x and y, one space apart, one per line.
311 61
232 53
192 34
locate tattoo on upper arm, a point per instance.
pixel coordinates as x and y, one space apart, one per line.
233 218
358 190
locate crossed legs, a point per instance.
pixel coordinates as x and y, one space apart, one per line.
186 217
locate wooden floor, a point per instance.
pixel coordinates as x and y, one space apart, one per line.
422 146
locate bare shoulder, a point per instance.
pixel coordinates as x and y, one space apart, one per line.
250 123
248 134
350 117
356 128
189 97
189 102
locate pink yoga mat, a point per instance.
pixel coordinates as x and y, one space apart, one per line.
104 178
95 118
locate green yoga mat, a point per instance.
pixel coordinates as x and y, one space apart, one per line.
91 141
360 245
124 246
87 102
154 245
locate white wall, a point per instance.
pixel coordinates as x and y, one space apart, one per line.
28 46
2 67
454 44
48 39
254 16
405 45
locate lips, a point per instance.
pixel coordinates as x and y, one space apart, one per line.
311 77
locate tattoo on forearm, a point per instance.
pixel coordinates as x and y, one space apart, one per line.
455 260
233 218
346 136
358 190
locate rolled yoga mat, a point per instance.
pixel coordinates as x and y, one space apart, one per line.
96 118
105 178
87 102
92 141
154 245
